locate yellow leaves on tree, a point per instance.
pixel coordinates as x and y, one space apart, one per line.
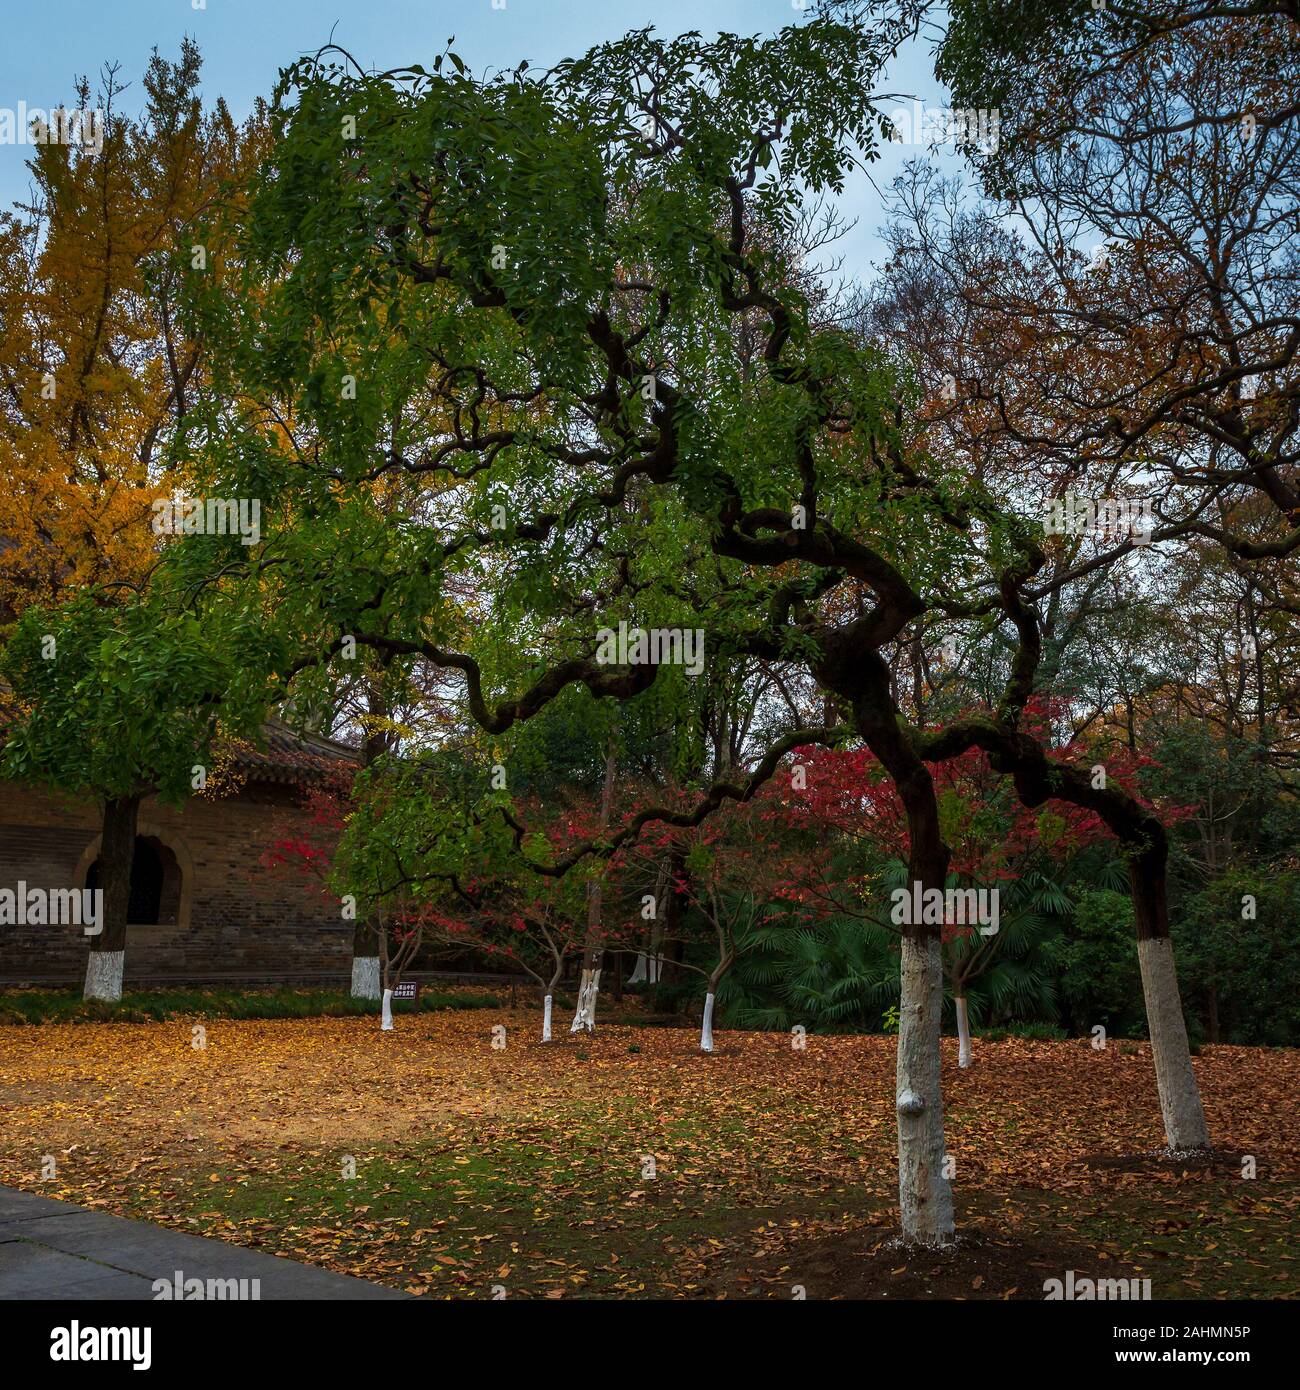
94 370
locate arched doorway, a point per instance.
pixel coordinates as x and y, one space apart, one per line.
157 888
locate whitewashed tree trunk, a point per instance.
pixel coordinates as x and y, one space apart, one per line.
638 975
588 992
1180 1100
924 1194
579 1014
107 958
706 1028
104 974
593 951
546 1019
386 1015
593 995
963 1033
365 977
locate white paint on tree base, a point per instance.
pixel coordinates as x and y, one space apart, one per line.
1180 1100
588 991
706 1028
104 974
924 1193
546 1019
386 1016
365 977
963 1034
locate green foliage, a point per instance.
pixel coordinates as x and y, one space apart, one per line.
1001 54
110 701
1097 966
1242 970
839 976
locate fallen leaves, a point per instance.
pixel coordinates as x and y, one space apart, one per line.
523 1168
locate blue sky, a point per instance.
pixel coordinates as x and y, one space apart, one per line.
245 42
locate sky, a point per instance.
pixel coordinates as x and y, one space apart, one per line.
246 42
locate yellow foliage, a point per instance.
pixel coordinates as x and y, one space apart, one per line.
94 370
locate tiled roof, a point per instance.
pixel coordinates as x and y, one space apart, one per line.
284 755
287 756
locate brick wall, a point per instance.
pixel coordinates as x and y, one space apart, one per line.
241 916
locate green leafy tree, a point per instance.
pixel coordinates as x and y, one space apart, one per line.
114 703
529 293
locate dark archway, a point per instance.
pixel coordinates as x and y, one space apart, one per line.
148 880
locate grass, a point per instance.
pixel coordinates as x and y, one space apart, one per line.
541 1224
37 1006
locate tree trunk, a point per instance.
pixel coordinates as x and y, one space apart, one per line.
367 972
104 966
963 1033
715 979
584 1016
365 961
706 1026
663 927
386 1013
594 951
924 1193
546 1019
1180 1100
1037 778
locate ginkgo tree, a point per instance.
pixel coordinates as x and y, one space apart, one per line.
95 367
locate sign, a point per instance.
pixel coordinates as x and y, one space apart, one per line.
407 989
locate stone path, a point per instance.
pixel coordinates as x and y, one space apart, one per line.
52 1249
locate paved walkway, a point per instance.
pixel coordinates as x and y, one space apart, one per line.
52 1249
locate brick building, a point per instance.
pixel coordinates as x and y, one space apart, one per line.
203 909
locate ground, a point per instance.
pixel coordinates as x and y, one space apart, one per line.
525 1168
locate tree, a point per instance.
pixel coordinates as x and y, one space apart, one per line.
95 370
593 951
852 838
95 375
565 259
1143 344
113 703
731 872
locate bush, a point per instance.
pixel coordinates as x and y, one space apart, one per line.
155 1006
1097 965
1041 1032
